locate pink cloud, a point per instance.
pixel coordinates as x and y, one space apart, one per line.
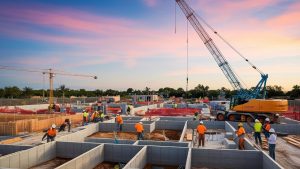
151 3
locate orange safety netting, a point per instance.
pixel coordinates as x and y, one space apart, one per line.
148 103
172 112
293 113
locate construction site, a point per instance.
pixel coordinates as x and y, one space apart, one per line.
62 128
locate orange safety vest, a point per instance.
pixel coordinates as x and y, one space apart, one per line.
240 131
139 127
119 120
201 129
267 127
51 132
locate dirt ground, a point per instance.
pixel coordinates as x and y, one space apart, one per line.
150 166
157 135
106 165
51 164
287 155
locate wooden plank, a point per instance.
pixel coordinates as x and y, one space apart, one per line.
292 140
189 137
11 140
297 145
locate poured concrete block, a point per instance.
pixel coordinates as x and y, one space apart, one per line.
229 144
229 135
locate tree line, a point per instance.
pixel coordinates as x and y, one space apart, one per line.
197 92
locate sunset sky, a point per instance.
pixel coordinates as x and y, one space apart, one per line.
132 43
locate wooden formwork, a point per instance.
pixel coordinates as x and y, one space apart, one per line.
35 124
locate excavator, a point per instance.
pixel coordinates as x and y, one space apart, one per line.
245 105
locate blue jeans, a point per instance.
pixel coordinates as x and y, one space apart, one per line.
267 134
257 137
272 151
140 136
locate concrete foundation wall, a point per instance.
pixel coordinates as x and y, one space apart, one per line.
132 118
208 124
139 160
80 135
30 157
72 149
188 164
167 155
87 160
120 152
269 163
183 132
226 159
176 118
231 129
8 149
162 143
108 140
127 127
169 125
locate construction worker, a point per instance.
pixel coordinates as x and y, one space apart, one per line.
139 129
195 116
266 128
119 121
67 122
272 143
257 131
101 116
85 116
50 134
241 134
201 129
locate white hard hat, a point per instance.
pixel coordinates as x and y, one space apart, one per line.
272 130
256 121
141 122
267 119
118 114
277 114
201 122
53 126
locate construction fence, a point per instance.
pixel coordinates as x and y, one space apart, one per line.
294 109
18 124
33 101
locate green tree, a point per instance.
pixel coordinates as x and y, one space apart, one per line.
295 92
12 92
273 91
27 92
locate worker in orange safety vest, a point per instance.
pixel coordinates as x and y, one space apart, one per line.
241 134
139 129
119 121
50 134
266 128
201 129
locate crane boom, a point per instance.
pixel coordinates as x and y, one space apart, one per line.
242 93
209 43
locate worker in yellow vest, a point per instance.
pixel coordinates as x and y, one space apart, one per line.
257 131
85 116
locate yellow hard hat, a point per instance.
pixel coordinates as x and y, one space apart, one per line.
240 124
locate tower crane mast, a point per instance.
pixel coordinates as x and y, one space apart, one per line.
51 74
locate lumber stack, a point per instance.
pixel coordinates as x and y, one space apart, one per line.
293 139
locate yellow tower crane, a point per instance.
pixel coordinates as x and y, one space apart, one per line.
51 74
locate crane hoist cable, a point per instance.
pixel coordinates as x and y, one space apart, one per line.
229 44
175 16
187 56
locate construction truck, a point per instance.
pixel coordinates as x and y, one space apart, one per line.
245 105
